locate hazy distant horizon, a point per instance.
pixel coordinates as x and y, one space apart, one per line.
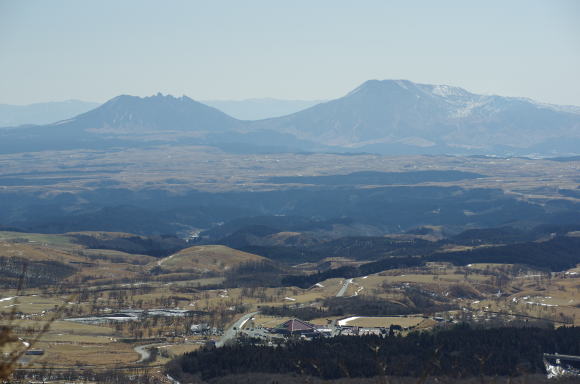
266 98
225 50
273 98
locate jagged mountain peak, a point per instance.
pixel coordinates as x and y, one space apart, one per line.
157 113
156 98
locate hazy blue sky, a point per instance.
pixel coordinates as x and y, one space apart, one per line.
95 50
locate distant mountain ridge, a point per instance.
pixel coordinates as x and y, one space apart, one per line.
42 113
262 108
388 116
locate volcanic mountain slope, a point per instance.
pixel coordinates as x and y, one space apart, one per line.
402 115
156 113
124 121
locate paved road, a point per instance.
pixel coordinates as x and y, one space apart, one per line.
143 350
230 333
258 333
344 287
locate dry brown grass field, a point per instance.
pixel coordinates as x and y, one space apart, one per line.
206 258
63 241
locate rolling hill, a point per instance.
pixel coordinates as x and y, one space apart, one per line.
37 259
205 258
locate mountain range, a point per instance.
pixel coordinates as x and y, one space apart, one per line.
50 112
388 117
42 113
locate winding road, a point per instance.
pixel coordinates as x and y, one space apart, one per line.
230 333
143 350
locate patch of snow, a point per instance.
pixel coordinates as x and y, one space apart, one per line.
527 276
559 108
8 298
401 84
542 304
466 109
344 322
446 90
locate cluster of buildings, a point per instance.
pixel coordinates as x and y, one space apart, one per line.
296 328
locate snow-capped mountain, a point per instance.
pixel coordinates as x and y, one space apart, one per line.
399 112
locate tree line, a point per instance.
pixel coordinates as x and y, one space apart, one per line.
462 351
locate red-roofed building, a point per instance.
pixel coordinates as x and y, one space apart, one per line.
296 326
